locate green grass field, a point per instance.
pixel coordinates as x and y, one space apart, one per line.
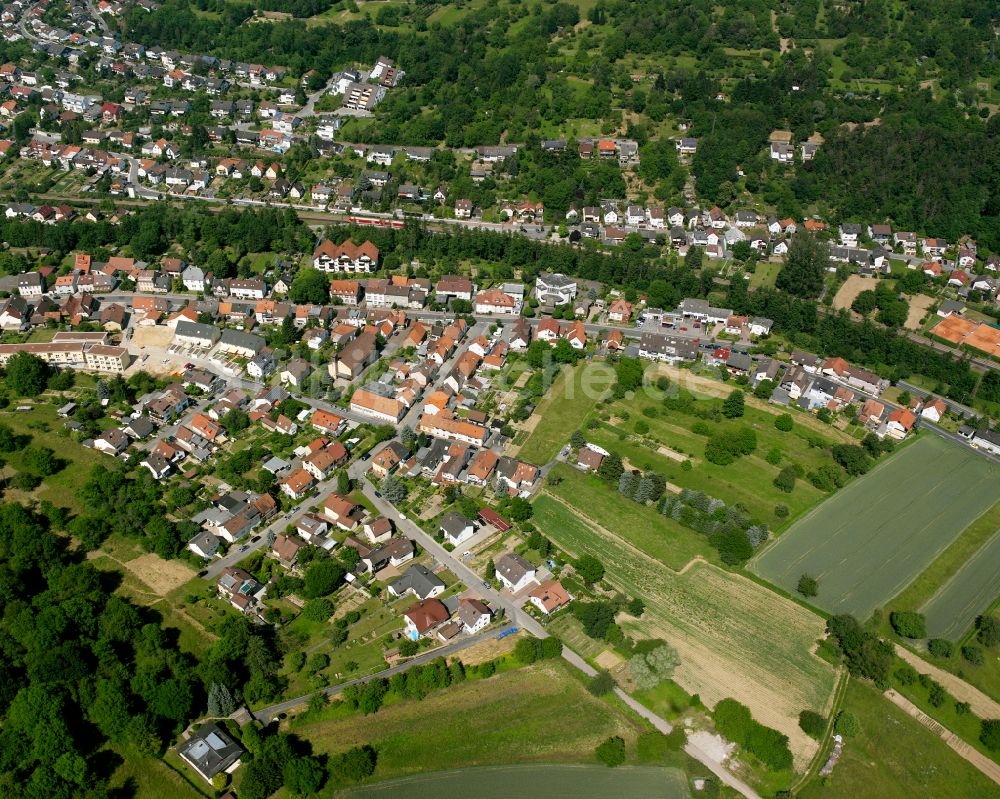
764 275
528 782
152 778
723 626
969 592
748 480
45 427
868 541
537 714
564 409
658 536
894 757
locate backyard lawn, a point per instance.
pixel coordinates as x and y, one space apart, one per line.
765 273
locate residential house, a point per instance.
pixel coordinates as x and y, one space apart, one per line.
346 257
327 423
321 463
419 581
211 751
424 617
112 441
343 512
496 301
285 548
899 423
384 409
549 597
298 484
934 410
377 530
387 459
514 572
456 529
620 310
239 588
553 288
355 357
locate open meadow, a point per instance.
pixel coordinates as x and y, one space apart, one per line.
528 782
642 526
723 626
565 408
650 434
894 757
869 540
537 714
46 429
153 778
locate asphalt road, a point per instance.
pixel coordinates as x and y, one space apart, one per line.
523 621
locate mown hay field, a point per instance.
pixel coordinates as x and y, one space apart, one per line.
735 638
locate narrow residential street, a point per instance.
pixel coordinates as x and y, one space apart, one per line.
525 622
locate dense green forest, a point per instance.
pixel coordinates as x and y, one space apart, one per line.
80 667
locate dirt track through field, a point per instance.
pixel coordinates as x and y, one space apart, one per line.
961 748
723 626
982 705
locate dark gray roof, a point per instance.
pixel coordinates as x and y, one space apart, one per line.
739 360
210 750
454 523
141 426
513 567
206 542
196 330
990 436
418 578
556 280
236 338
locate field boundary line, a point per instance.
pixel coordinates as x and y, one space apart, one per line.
769 545
941 554
964 750
982 705
752 564
941 588
839 692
